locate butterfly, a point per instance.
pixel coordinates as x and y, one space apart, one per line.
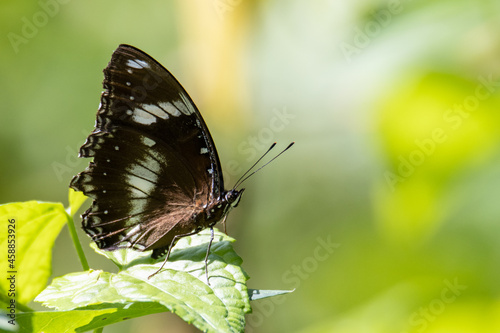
155 175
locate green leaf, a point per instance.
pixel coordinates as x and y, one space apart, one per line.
33 228
181 287
256 294
76 199
85 319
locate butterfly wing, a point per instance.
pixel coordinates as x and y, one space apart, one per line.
154 165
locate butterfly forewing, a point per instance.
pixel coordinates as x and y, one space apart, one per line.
141 94
155 164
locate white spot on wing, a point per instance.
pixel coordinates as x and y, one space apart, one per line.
142 117
133 230
181 107
90 232
186 103
155 110
138 64
136 193
147 141
203 150
153 163
170 109
146 186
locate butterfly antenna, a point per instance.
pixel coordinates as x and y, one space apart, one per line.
241 180
249 169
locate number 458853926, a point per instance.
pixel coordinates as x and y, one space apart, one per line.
11 243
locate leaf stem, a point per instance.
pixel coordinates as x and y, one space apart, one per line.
76 243
23 308
19 306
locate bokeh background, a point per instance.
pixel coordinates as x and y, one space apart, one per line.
384 216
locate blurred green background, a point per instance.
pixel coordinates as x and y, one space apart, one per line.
384 216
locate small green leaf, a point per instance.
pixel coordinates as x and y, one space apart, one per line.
181 287
256 294
33 227
76 199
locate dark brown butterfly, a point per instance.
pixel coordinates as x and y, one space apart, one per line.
155 175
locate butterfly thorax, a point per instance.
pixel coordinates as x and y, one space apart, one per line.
217 210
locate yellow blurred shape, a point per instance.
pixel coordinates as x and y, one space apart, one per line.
434 131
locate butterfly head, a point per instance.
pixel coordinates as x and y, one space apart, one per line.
233 197
219 209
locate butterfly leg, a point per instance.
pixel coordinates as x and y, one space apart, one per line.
224 223
176 237
208 252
